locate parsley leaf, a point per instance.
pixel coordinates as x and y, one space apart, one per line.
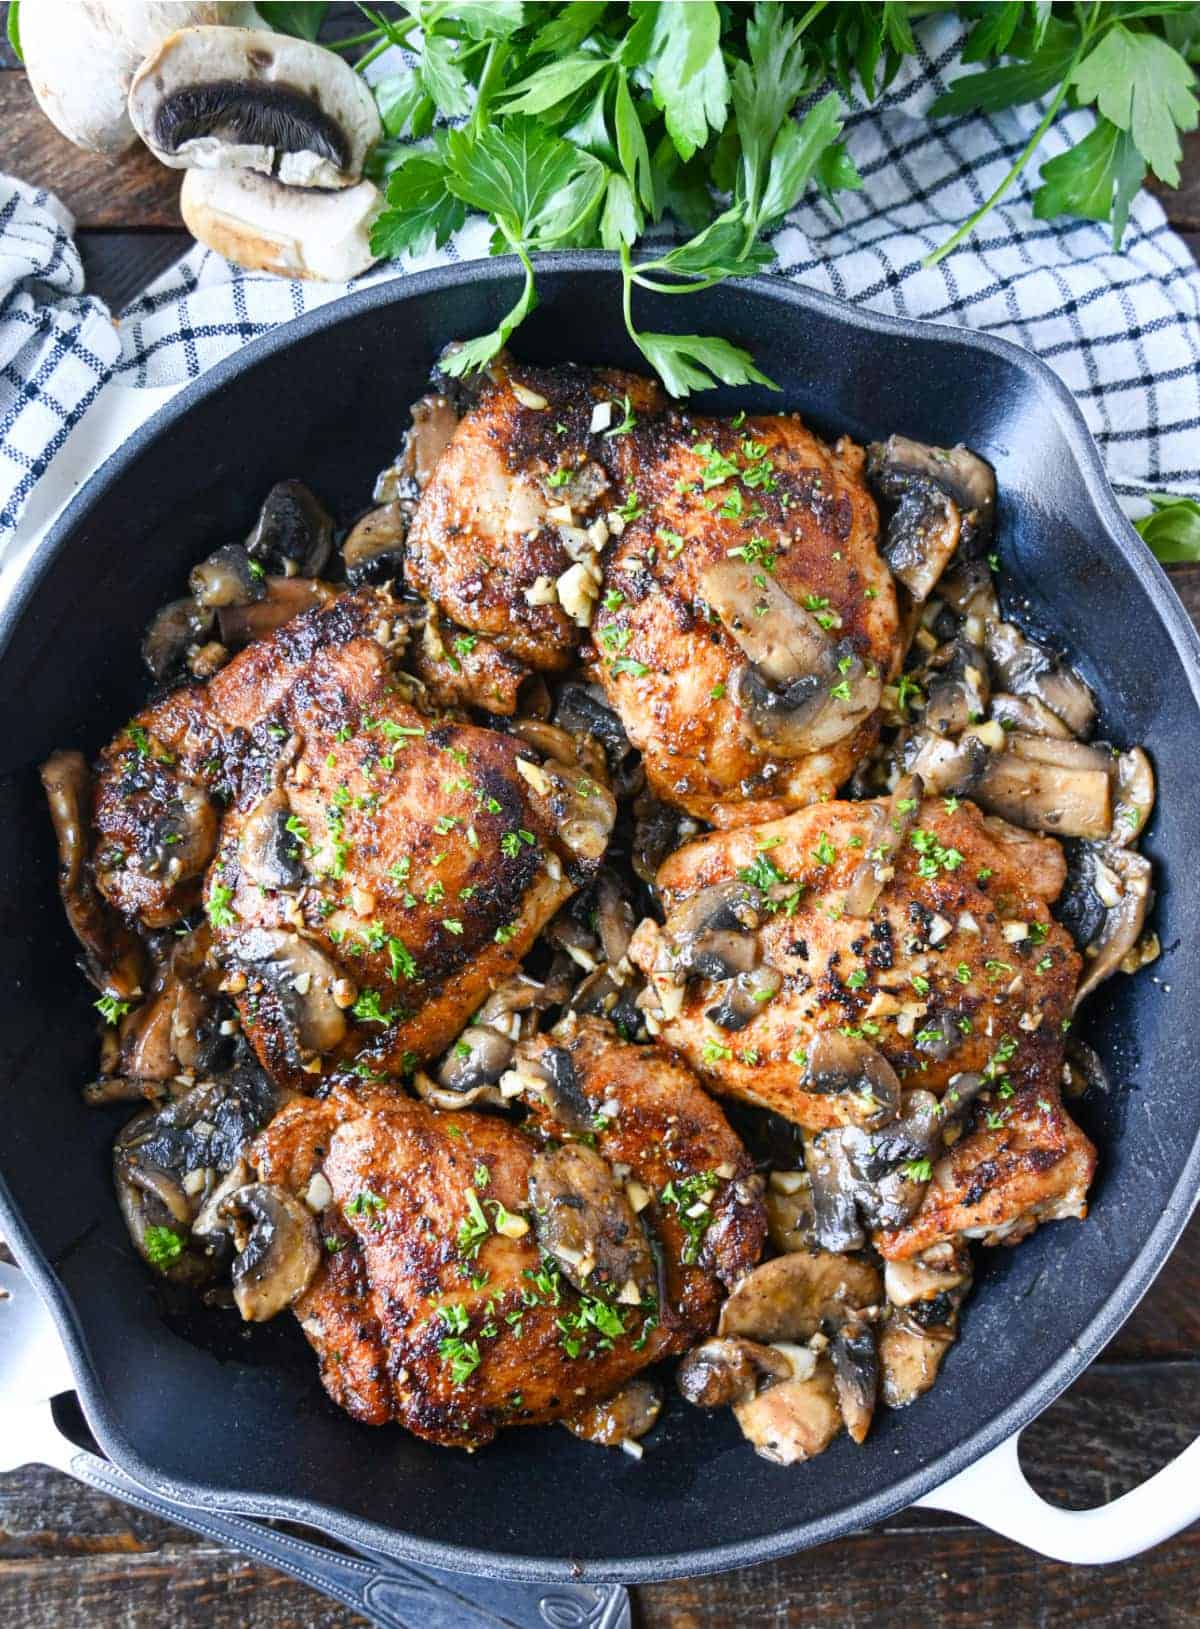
1173 530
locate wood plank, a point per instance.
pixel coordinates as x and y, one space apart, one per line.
132 190
118 265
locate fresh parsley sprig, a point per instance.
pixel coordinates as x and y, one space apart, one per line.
591 122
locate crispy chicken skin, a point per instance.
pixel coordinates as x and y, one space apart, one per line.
482 536
891 975
1000 1181
668 665
419 1314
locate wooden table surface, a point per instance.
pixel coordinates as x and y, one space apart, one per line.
71 1557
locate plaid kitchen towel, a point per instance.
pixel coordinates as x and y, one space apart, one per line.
1122 329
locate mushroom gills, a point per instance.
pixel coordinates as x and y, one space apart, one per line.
278 1249
585 1221
945 500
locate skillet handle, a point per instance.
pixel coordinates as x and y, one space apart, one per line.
390 1594
995 1493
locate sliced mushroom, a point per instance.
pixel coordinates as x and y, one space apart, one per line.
851 1069
856 1376
1134 796
793 1297
293 533
891 823
114 958
298 988
585 1221
945 765
549 1074
374 550
622 1418
881 1174
168 1161
658 831
582 710
478 1058
727 1370
1029 715
580 807
278 1247
744 997
1045 796
285 598
270 850
257 222
943 498
938 1271
435 418
712 935
959 693
173 633
909 1359
1121 879
227 577
801 692
793 1420
243 99
790 1220
1029 669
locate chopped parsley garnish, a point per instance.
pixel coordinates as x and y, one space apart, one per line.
218 906
368 1009
934 858
462 1356
110 1009
824 853
366 1203
691 1197
162 1247
917 1170
626 664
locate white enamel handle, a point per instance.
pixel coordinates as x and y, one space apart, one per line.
994 1493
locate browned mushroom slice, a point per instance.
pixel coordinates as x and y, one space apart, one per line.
585 1221
713 935
909 1360
795 1419
1133 797
946 765
1028 669
850 1068
1029 715
943 497
620 1420
298 991
174 634
285 598
113 956
727 1370
270 847
790 1221
880 1174
374 550
793 1297
1121 880
1061 798
856 1376
228 577
942 1268
279 1250
800 691
958 695
891 823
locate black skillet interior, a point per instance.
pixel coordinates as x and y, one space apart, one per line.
195 1403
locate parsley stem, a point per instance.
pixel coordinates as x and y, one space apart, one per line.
968 226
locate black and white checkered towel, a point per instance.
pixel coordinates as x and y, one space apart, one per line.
1122 329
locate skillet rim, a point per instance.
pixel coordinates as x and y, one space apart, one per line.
1113 532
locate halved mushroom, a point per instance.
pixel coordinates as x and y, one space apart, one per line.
944 497
293 533
585 1221
278 1247
374 550
1121 880
228 577
800 691
726 1370
851 1069
113 956
297 988
891 822
285 598
174 632
261 224
621 1419
243 99
270 848
1029 669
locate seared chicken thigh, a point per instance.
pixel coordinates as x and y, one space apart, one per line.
440 1300
504 517
377 871
955 964
747 622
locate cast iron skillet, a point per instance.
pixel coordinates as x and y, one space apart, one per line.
236 1417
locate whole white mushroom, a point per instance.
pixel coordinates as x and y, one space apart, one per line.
81 56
